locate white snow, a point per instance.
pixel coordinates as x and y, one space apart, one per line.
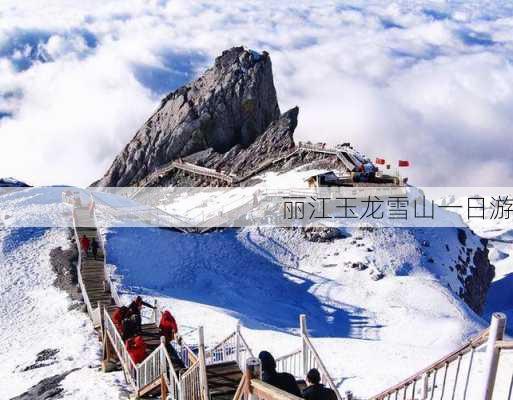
371 334
35 315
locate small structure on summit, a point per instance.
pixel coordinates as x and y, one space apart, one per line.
325 179
357 170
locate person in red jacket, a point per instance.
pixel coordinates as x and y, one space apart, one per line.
118 316
136 348
84 243
168 327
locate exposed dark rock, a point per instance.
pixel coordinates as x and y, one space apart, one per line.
321 234
231 104
376 275
43 359
275 142
359 266
63 263
48 388
478 282
462 236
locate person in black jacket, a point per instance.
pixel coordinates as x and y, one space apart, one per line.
281 380
94 247
135 311
316 390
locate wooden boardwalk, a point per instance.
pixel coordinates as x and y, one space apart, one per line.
344 156
91 271
174 370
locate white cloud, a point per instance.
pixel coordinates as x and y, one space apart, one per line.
424 81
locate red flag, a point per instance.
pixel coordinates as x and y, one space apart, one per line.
404 163
380 161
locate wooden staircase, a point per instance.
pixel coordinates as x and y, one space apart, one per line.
223 379
170 370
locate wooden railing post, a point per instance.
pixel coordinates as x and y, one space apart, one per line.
304 347
237 344
496 332
163 369
155 311
101 318
425 386
203 367
253 371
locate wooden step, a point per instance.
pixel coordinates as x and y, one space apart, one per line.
223 377
104 300
151 390
91 262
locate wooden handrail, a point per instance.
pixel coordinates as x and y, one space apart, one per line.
504 344
83 290
190 369
266 391
288 355
242 387
322 367
170 362
246 345
231 179
231 335
122 357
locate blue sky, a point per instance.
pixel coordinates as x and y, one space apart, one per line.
426 81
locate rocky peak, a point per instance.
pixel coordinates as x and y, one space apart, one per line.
231 104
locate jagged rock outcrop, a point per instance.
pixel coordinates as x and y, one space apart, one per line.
276 141
231 104
476 274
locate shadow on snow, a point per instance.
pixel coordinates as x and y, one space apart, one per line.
218 270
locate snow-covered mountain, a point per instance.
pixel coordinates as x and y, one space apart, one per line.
380 303
11 182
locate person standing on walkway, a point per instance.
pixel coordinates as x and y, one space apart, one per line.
94 247
168 326
135 308
316 390
281 380
84 243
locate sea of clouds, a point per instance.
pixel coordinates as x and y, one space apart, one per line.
431 82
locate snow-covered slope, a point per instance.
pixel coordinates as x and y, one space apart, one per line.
370 333
40 336
499 235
